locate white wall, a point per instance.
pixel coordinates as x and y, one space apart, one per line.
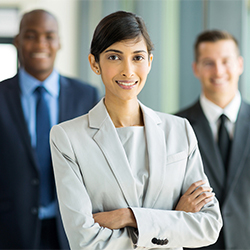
66 13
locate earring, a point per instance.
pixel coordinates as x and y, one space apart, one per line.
97 71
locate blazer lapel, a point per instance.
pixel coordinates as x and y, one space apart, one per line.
109 143
207 145
156 147
15 106
240 146
64 109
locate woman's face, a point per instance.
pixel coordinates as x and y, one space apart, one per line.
124 67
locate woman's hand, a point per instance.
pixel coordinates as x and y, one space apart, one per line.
116 219
195 197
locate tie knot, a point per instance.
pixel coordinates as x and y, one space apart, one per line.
223 118
40 90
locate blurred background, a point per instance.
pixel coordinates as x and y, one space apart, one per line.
172 24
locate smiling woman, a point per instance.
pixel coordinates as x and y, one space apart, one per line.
124 67
128 176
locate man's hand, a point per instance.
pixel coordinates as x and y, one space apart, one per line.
116 219
195 197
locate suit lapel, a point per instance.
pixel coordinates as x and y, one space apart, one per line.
109 143
156 148
207 145
240 146
15 109
64 111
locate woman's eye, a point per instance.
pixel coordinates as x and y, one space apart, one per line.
114 57
138 58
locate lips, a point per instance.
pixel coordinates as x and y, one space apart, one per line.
127 84
40 55
218 81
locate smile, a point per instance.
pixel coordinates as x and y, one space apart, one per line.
127 83
40 55
218 81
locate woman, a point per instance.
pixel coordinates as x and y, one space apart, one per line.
121 169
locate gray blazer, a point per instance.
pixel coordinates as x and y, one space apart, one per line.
232 191
93 174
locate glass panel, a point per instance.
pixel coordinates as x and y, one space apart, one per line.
9 21
8 61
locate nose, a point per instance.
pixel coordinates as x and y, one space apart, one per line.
127 69
42 41
219 69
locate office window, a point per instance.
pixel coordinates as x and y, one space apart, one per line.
8 61
9 21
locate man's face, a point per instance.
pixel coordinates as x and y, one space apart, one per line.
218 68
37 44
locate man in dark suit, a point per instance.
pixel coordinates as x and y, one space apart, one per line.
224 142
29 214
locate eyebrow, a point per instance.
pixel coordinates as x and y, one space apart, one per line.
211 59
35 31
120 52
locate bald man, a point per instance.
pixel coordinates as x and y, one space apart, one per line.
29 214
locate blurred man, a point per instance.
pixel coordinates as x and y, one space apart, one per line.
30 103
221 121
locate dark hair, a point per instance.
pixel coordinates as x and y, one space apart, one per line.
116 27
213 36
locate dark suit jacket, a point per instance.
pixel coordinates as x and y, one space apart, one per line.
19 176
232 190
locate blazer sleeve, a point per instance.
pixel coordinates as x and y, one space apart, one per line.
75 204
175 229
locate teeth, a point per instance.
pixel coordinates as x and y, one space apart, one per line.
219 81
126 84
39 55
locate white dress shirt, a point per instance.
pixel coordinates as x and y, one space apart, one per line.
213 113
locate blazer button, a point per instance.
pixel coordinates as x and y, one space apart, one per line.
154 241
159 242
165 242
34 211
35 182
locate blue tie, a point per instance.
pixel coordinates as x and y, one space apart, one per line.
43 149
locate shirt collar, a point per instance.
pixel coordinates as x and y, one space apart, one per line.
213 112
29 83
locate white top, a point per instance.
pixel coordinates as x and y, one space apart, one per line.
134 142
213 113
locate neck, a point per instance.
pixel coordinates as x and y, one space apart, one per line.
124 113
41 76
222 101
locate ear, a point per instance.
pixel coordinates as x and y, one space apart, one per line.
150 60
195 69
93 64
241 64
59 44
16 42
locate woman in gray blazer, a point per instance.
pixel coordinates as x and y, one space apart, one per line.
126 176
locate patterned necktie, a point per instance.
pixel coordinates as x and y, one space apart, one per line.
224 141
42 147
